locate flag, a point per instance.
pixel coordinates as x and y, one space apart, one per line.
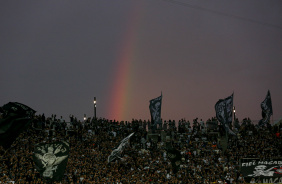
51 159
266 108
155 110
175 158
18 108
223 109
267 170
116 153
15 119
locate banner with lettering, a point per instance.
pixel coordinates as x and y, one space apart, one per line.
267 171
51 159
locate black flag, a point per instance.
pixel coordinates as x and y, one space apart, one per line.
175 158
223 109
266 108
16 118
117 153
155 110
51 159
18 108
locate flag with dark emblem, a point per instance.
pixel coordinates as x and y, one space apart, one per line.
266 108
117 152
223 109
175 158
155 110
51 159
16 117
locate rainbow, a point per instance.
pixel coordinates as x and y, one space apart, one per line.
120 97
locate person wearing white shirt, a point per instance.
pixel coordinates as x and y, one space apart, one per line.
148 145
253 180
164 155
231 180
168 176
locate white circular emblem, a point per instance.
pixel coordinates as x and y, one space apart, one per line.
49 158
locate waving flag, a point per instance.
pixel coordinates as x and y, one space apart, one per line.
223 109
16 119
117 153
266 107
18 108
155 110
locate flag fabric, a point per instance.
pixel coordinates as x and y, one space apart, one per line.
223 109
266 108
18 108
117 152
155 110
175 158
16 117
51 159
267 170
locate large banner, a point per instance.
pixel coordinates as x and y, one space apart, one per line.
267 171
51 159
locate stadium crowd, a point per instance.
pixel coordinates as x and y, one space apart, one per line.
204 159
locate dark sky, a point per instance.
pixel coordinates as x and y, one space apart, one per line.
56 55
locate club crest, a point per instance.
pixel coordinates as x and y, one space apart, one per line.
50 159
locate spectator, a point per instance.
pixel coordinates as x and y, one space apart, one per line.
203 161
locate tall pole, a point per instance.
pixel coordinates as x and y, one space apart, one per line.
95 107
234 113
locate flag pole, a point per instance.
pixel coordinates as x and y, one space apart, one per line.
233 109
